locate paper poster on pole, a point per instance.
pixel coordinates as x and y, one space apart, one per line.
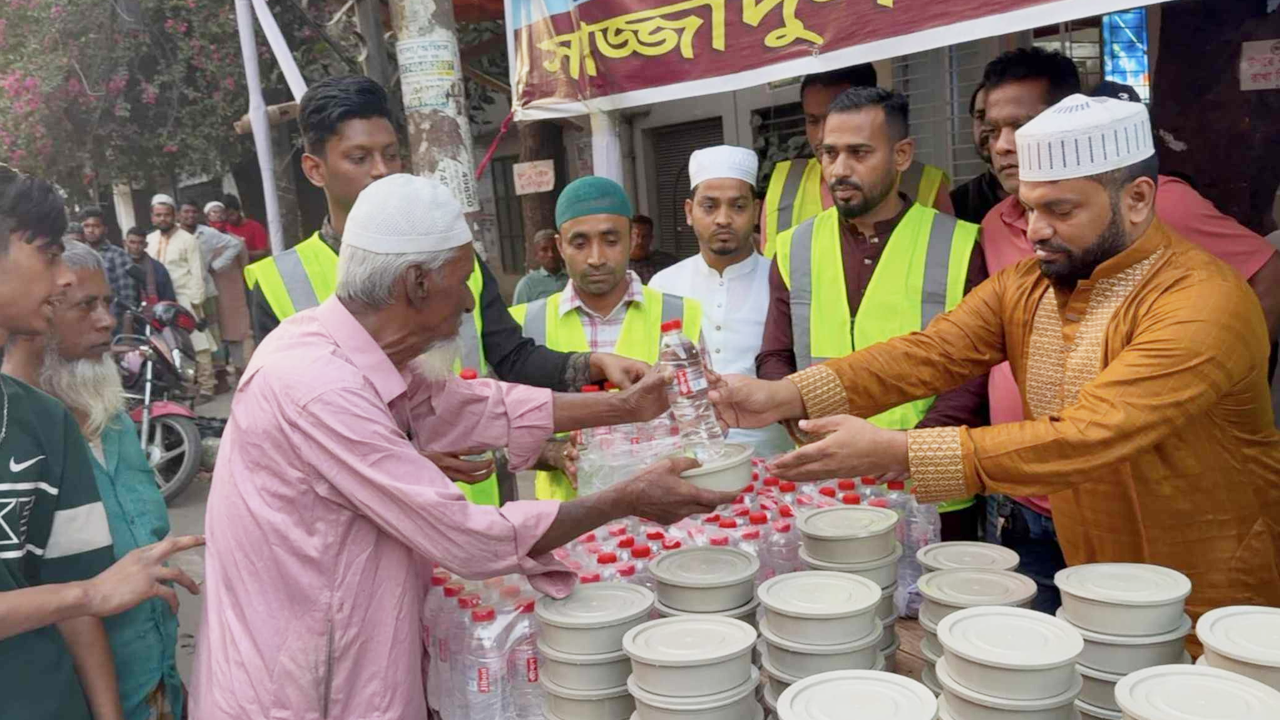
1260 65
428 71
535 176
460 181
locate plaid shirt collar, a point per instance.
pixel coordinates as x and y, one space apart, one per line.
569 299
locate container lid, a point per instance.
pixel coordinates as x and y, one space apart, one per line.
890 559
1248 633
1096 674
748 610
688 640
950 684
1182 630
1190 692
960 554
817 594
599 604
733 454
808 649
848 522
770 698
570 694
1085 708
879 696
1009 637
696 703
705 567
574 659
970 588
1124 583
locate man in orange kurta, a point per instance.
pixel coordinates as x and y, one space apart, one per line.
1142 359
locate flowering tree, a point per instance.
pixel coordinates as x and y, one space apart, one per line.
96 91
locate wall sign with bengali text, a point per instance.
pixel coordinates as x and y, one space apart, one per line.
535 176
1260 65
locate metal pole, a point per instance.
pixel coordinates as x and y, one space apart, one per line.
280 49
258 120
434 101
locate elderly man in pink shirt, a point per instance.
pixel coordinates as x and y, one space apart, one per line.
1020 85
324 517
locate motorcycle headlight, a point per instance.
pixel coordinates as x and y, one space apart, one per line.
186 370
188 374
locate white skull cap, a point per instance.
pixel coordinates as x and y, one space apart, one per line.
723 161
1083 136
402 214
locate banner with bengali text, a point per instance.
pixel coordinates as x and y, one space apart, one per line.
569 57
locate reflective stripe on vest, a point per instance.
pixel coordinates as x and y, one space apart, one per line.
297 279
301 295
640 340
790 190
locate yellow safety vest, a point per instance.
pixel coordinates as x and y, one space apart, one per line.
306 275
920 275
640 339
795 193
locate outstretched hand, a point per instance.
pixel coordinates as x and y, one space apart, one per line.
746 402
659 494
851 447
140 576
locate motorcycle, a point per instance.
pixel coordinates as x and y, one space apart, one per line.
158 371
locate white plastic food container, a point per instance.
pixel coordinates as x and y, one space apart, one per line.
889 656
820 608
860 694
736 703
730 472
946 591
929 677
1093 712
804 659
930 639
1243 639
883 572
583 672
760 715
965 554
778 680
770 699
705 579
885 610
1099 687
746 613
1188 692
565 704
1009 652
593 618
690 656
849 533
1123 598
972 705
888 633
1123 654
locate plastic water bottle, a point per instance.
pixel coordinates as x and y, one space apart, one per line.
522 662
924 527
431 622
641 556
654 537
453 705
787 492
782 552
750 539
443 615
846 485
899 501
699 430
484 667
871 489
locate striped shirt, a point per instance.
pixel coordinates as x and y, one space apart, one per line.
53 529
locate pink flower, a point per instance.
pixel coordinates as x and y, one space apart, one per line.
230 82
171 148
168 24
57 12
16 156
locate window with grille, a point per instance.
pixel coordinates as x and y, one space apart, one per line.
1111 47
1080 40
510 220
777 135
672 145
939 84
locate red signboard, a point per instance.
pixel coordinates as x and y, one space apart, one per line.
574 56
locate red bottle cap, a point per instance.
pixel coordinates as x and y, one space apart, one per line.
720 541
759 518
782 526
617 530
851 499
640 552
847 484
483 614
768 504
868 480
610 386
585 578
897 485
828 491
751 534
588 538
670 325
728 524
787 511
606 558
772 481
526 606
468 374
594 548
742 511
712 519
804 499
626 542
787 486
590 388
878 502
654 535
755 475
453 589
628 570
469 602
671 544
749 489
440 578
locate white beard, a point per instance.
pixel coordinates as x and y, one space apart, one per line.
90 388
437 362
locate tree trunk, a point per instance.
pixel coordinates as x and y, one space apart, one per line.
539 140
286 190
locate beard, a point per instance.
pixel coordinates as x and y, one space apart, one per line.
1079 265
437 362
89 387
872 196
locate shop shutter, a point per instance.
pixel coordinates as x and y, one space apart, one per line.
672 145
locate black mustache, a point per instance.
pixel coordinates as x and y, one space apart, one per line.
846 184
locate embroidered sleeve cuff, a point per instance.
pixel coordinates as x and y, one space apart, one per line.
935 457
822 392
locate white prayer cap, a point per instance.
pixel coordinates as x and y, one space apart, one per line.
213 204
1083 136
723 161
402 214
162 199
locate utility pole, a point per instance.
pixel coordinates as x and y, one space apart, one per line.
435 104
539 140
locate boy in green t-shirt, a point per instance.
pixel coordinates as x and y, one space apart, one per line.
56 576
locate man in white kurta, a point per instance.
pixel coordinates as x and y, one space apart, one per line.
727 276
179 252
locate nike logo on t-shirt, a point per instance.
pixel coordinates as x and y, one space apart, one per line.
15 466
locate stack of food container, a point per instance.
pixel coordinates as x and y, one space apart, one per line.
949 591
1131 617
584 669
707 581
966 555
1243 639
693 668
1007 663
858 540
860 694
1189 692
816 622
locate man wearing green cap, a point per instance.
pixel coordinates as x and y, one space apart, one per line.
605 308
